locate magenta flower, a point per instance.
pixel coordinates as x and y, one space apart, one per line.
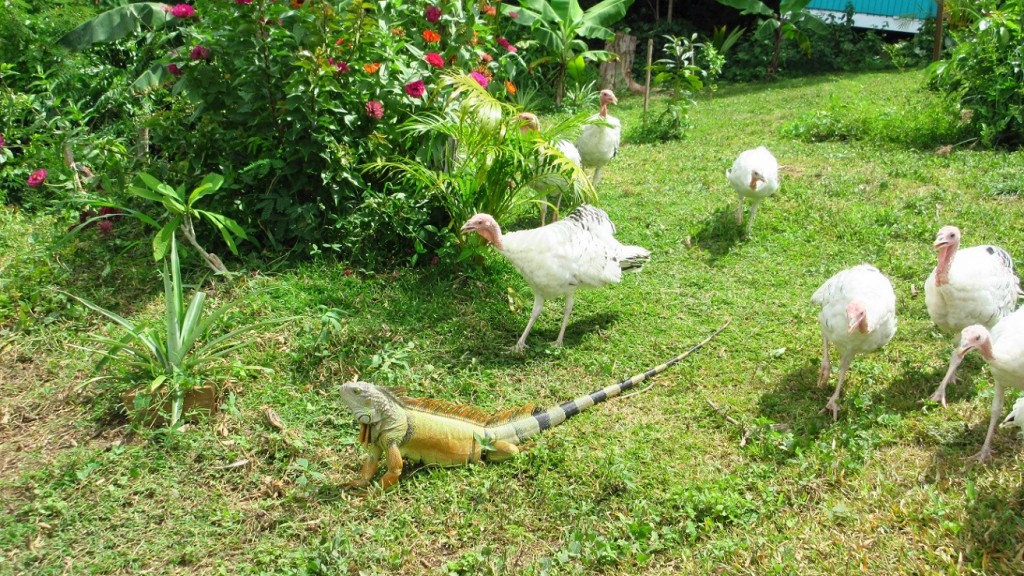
174 69
105 226
340 65
2 141
199 53
435 60
375 109
183 11
37 178
507 45
415 89
243 1
480 78
432 14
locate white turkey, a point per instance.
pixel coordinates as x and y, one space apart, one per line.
754 175
550 185
1003 349
975 285
858 315
579 251
1016 415
599 141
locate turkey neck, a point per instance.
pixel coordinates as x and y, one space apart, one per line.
493 235
604 110
946 254
986 349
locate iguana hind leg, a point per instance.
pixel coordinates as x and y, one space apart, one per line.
503 450
394 467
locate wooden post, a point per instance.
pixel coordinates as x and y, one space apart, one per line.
939 17
647 83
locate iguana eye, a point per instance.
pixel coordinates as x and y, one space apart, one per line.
357 391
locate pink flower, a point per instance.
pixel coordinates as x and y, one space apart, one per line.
37 178
183 11
174 69
480 78
513 14
105 226
243 1
435 60
507 45
375 109
415 88
432 14
199 53
2 141
341 65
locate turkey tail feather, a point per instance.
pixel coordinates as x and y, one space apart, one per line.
633 258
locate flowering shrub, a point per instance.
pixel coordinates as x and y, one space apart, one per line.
290 102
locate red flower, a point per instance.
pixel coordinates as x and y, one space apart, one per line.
507 45
432 14
105 226
174 69
37 178
199 53
435 60
375 109
480 78
431 36
243 1
415 88
183 11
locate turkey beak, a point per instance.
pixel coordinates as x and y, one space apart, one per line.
468 227
754 179
857 323
940 242
613 100
963 350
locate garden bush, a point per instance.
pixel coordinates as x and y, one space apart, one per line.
983 74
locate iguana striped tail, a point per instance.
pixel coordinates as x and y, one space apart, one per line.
522 428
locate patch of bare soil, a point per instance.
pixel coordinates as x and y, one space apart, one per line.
40 416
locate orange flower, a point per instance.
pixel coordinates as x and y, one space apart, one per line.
489 10
297 4
398 31
510 88
431 36
371 68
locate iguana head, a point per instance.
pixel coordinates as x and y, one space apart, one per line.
367 402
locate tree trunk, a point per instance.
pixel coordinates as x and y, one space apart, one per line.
939 17
669 17
617 74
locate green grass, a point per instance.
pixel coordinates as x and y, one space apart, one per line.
658 483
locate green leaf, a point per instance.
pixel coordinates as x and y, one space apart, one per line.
210 184
755 7
117 23
162 240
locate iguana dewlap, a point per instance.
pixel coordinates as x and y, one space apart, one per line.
446 434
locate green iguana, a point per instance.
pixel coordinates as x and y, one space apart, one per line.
446 434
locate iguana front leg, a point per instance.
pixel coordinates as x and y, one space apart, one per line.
394 467
370 466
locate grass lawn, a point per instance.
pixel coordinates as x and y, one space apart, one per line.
657 483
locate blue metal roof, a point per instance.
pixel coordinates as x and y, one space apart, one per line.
892 8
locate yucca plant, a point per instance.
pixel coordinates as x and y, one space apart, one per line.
178 355
487 162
